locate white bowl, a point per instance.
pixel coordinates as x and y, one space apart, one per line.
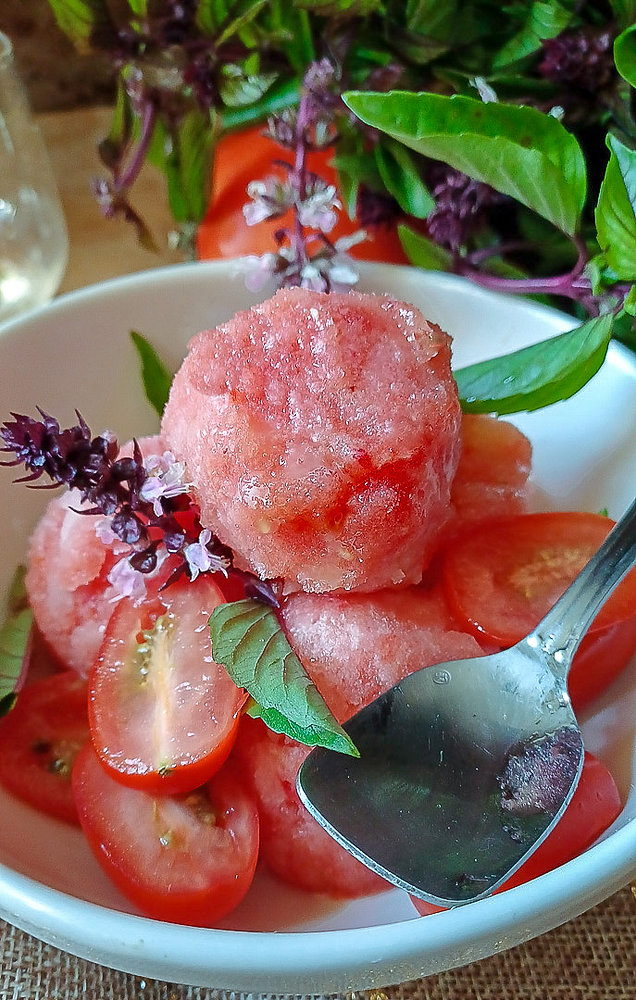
76 353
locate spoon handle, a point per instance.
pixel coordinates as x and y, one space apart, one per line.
561 630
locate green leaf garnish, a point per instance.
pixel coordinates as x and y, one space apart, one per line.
78 18
401 177
625 54
14 639
424 253
155 376
517 150
545 19
538 375
250 643
188 166
616 210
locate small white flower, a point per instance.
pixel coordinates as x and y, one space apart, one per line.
270 198
485 91
312 278
258 271
342 273
201 560
165 478
344 243
104 532
320 209
126 582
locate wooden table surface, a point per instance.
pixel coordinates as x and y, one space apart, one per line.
100 248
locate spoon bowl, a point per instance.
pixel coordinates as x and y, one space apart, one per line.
466 766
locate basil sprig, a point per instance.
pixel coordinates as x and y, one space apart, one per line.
248 640
537 375
15 633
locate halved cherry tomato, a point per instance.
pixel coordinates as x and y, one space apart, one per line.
163 714
595 805
241 157
189 859
504 575
39 739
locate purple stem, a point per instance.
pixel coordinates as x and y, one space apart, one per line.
570 285
123 180
300 179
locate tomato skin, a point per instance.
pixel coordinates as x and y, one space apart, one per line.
595 805
164 721
184 859
502 578
241 157
39 739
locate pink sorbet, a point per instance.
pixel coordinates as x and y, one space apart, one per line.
322 435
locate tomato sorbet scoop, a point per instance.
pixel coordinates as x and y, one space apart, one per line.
321 433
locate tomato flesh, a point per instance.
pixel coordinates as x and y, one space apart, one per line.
502 578
249 155
594 806
163 715
39 739
187 859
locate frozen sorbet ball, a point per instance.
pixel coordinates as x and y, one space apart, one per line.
77 571
321 432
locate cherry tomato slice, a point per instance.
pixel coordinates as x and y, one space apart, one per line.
241 157
39 739
595 805
163 715
188 859
503 576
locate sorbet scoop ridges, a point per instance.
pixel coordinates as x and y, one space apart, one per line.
321 433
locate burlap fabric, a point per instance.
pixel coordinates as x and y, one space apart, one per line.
591 958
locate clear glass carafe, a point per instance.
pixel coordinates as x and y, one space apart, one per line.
33 236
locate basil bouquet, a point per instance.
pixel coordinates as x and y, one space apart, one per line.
499 140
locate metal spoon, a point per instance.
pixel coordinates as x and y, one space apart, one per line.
466 766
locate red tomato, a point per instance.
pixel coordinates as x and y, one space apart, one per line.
241 157
39 739
492 476
594 806
189 859
503 576
163 714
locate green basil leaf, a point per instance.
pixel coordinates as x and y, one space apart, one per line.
401 177
241 18
337 8
138 7
210 15
429 17
188 167
250 643
615 213
280 96
15 633
545 19
239 89
78 18
423 252
538 375
629 303
517 150
112 146
155 376
625 11
625 54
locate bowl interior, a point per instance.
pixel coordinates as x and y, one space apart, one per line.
76 354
